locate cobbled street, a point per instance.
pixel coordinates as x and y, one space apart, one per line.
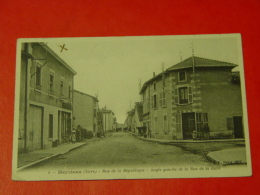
122 149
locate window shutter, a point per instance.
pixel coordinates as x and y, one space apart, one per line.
190 95
176 96
151 101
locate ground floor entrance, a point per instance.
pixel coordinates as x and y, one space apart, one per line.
188 125
35 128
191 122
64 126
238 127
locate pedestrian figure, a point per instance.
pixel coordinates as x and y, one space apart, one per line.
194 135
73 136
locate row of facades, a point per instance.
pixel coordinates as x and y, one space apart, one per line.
196 95
50 107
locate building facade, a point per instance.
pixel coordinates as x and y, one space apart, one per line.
85 110
46 86
196 94
134 118
108 120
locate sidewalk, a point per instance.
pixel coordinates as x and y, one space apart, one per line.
230 156
187 141
34 157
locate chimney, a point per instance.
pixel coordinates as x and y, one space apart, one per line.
153 74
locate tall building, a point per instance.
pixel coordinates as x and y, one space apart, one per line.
109 120
85 110
46 87
196 95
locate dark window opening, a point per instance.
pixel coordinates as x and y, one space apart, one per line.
154 86
61 87
69 91
182 76
38 77
50 126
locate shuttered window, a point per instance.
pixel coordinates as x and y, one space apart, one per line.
183 95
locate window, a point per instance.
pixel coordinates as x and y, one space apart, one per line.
165 123
61 87
154 86
182 76
51 83
202 124
163 99
70 91
155 124
183 95
50 126
154 101
163 83
38 78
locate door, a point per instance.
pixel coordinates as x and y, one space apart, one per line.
188 125
238 127
35 127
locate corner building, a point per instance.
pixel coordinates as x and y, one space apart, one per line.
46 87
197 94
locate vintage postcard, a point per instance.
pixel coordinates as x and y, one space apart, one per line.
130 108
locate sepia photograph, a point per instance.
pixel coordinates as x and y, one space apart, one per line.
137 107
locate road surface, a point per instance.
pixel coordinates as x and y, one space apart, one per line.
122 149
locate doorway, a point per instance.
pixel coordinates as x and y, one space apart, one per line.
238 127
35 127
188 124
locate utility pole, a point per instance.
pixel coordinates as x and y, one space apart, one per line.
193 84
193 61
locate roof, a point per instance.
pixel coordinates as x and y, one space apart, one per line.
57 57
188 63
86 94
200 62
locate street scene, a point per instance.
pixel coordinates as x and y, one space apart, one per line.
102 104
124 150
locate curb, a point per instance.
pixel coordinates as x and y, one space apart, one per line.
181 141
207 156
49 157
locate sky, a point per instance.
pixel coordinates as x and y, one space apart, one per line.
112 67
